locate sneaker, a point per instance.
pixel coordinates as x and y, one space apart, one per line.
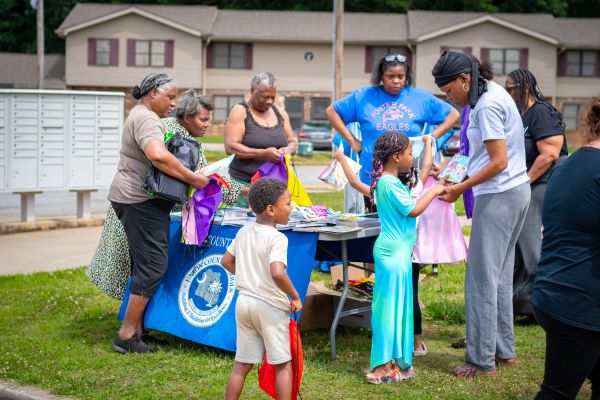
133 345
149 339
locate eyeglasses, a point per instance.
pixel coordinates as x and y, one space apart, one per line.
395 57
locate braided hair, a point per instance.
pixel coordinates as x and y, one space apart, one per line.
388 144
524 79
154 80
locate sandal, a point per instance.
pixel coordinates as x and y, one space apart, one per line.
390 376
404 375
469 371
422 352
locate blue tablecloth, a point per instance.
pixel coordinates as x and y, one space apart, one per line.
196 299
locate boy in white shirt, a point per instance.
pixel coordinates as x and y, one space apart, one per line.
258 259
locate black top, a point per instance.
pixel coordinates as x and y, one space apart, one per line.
567 281
257 137
541 121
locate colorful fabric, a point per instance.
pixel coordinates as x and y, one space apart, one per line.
468 197
197 216
266 372
272 169
378 112
111 264
296 188
392 309
439 235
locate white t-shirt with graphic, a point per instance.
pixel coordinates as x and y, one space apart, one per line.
495 116
255 247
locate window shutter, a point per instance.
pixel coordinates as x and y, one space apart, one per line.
469 50
443 49
130 52
561 68
169 53
485 54
248 56
524 58
114 52
209 55
91 51
598 63
368 59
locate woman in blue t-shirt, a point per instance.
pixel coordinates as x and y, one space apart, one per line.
390 104
545 143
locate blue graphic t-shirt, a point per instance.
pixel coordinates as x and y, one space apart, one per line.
378 112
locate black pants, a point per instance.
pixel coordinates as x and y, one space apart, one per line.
572 355
416 307
146 225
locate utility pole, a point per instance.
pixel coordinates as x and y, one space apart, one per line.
338 47
40 42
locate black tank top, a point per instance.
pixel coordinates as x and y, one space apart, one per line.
257 137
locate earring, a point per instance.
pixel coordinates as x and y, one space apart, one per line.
465 87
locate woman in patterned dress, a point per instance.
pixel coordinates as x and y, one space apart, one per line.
111 264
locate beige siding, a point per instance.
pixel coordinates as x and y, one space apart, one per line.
577 87
186 58
542 55
293 73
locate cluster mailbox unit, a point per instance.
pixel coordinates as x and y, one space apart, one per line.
58 140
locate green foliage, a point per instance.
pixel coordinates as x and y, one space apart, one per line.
17 26
18 18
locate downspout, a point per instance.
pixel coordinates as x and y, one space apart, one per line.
205 43
561 49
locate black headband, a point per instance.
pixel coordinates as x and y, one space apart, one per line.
451 65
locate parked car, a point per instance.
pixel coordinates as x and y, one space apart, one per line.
319 133
452 145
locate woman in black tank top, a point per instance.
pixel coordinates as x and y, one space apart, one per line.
257 131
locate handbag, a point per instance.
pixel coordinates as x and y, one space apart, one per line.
157 183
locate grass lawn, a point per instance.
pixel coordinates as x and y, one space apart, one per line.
212 139
56 329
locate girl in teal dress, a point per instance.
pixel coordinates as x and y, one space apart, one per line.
392 308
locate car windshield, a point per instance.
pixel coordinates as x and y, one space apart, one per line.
317 125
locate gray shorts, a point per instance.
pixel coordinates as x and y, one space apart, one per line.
260 327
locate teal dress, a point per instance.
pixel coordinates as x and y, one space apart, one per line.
392 316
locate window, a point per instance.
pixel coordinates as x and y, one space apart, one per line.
229 55
505 60
103 51
150 53
223 105
571 116
580 63
376 53
318 106
294 106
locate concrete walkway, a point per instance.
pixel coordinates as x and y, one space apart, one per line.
24 253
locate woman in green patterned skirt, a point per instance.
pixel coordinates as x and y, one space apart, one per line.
111 264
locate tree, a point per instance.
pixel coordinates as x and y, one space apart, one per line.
17 26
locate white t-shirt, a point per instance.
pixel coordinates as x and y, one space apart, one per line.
495 116
255 247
